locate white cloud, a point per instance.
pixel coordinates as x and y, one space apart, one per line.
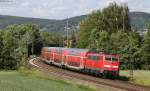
59 9
25 4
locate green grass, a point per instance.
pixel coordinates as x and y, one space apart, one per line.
141 77
25 81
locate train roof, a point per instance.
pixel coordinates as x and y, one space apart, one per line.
77 49
68 49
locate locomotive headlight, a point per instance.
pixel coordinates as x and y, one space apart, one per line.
108 66
115 66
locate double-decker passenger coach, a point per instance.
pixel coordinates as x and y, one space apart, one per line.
84 60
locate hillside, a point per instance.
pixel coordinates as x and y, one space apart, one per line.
45 24
138 21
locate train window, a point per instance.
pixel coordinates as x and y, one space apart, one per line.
108 58
59 51
114 59
74 53
93 57
49 51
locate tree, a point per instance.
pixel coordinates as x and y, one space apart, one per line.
1 46
99 39
51 39
127 44
111 19
117 17
8 52
16 41
31 36
145 50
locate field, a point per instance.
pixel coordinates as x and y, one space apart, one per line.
16 81
25 81
141 77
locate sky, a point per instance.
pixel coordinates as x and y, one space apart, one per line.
61 9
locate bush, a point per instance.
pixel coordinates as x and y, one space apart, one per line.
146 67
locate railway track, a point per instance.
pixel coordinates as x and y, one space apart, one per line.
61 73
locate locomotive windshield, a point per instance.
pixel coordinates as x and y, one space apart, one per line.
92 57
108 58
114 59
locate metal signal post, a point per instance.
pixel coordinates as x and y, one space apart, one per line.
66 29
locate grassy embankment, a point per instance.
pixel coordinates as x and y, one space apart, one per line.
34 81
141 77
24 80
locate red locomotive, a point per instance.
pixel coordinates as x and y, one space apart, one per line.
103 64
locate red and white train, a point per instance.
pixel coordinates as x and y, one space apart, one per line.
103 64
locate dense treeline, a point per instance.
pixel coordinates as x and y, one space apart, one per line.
17 42
110 29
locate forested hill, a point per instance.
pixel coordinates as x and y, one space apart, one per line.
45 24
138 20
